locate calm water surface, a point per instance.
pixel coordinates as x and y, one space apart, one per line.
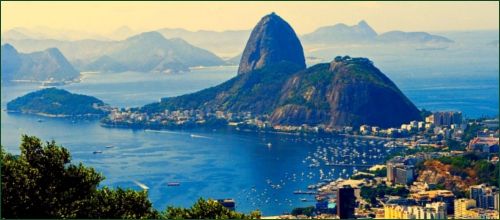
221 164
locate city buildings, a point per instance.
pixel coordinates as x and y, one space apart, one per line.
462 207
436 210
398 172
484 145
426 197
484 196
445 118
346 202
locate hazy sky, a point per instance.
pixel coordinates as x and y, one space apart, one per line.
103 17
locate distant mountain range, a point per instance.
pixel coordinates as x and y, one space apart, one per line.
44 33
80 46
362 33
341 33
45 65
273 80
145 52
151 52
224 43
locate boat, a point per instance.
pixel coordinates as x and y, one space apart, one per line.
39 120
269 144
304 192
303 200
142 185
110 146
173 184
97 152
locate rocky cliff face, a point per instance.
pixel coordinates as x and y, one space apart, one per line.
346 92
272 41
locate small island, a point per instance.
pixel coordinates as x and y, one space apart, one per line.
53 102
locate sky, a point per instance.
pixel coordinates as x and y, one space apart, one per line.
305 17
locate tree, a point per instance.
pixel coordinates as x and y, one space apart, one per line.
204 209
119 203
308 211
42 183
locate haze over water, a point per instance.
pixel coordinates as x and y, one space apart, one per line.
221 163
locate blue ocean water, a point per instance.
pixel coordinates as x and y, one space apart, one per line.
239 165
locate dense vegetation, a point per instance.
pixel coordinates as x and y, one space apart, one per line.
417 149
372 193
42 182
307 211
473 165
255 92
54 101
204 209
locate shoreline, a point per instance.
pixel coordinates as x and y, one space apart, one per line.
230 128
47 115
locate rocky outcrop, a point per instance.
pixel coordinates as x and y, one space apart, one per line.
273 81
346 92
272 41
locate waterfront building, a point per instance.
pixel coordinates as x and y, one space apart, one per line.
421 125
447 118
346 202
365 129
429 119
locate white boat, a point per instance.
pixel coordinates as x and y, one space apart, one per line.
173 184
142 185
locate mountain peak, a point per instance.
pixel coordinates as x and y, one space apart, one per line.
272 41
53 51
363 23
8 47
151 35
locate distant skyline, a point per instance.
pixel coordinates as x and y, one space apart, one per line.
105 17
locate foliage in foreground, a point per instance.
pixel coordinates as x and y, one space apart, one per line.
307 211
204 209
42 183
